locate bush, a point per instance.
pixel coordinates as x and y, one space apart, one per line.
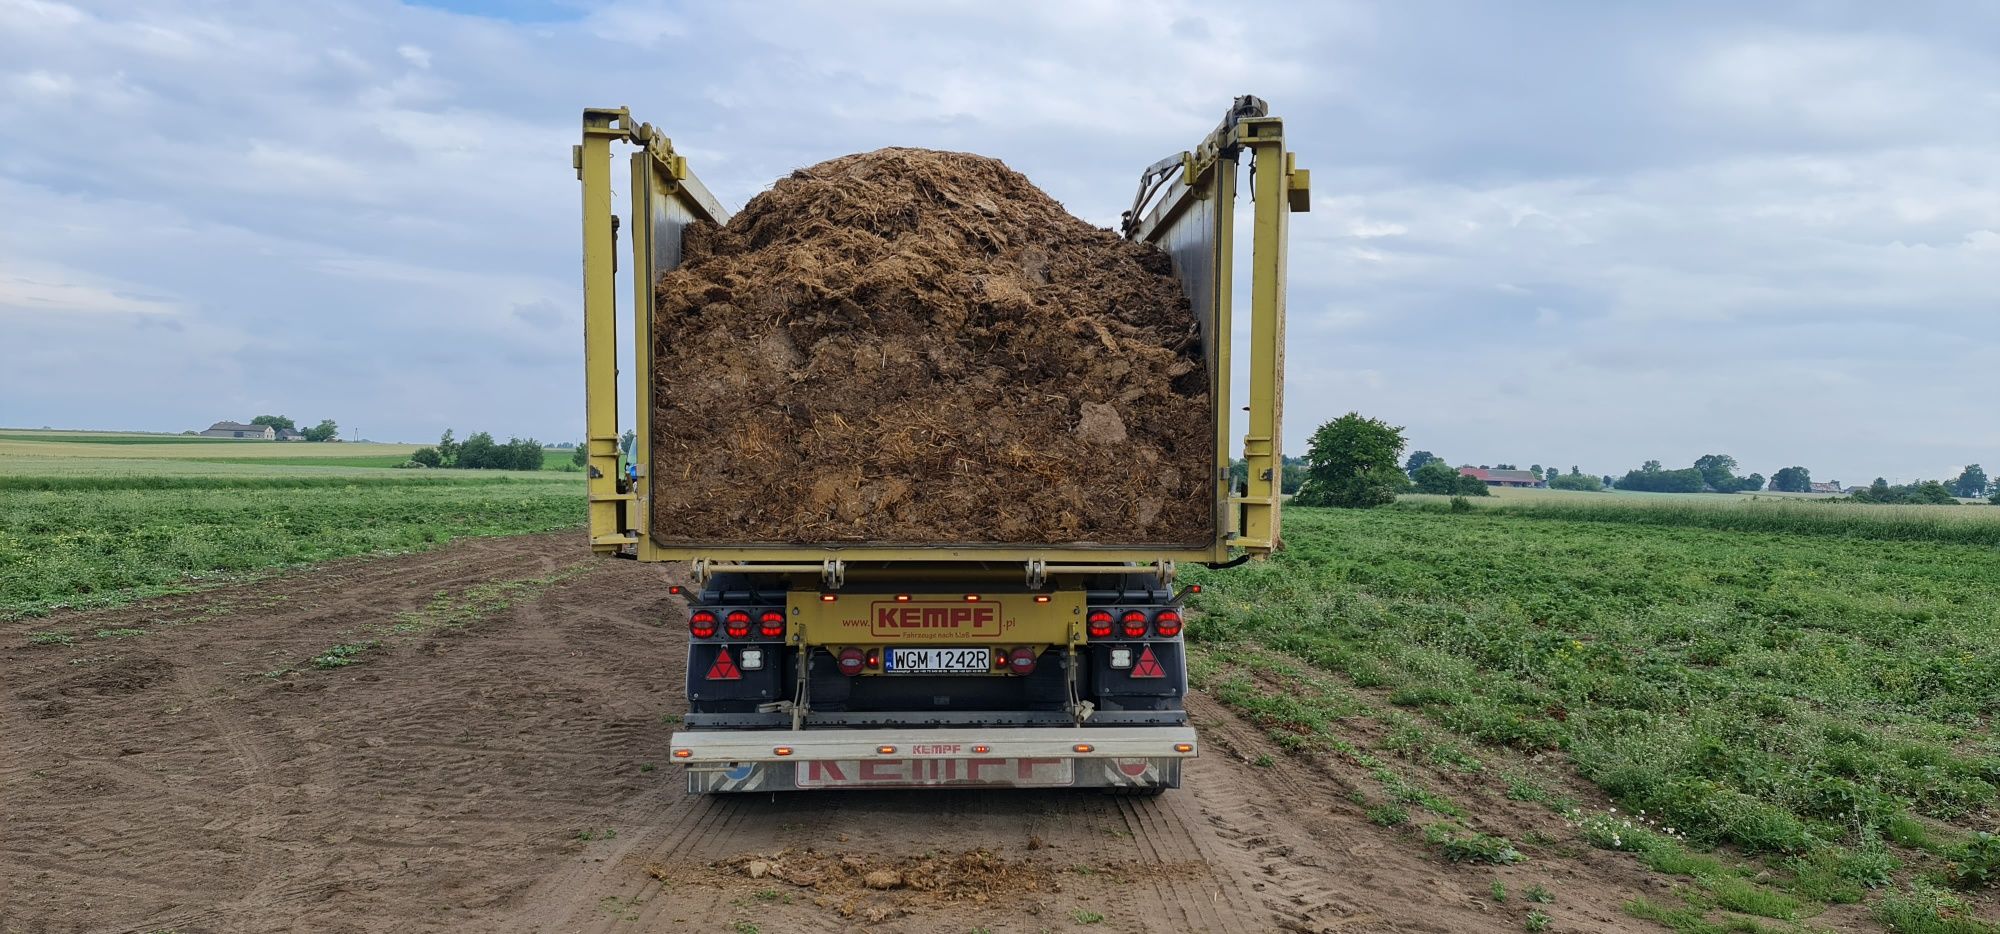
427 457
1577 481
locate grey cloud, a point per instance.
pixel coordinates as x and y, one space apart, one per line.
1599 232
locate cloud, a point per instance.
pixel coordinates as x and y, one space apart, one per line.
1541 232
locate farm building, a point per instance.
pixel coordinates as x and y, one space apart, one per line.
239 430
1832 486
1494 477
289 434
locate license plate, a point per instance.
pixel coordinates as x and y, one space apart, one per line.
911 773
937 661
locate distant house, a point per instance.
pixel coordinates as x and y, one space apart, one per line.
1495 477
240 430
1831 486
289 434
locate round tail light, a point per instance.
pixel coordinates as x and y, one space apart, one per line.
701 624
737 624
771 624
851 661
1167 623
1021 661
1100 624
1133 623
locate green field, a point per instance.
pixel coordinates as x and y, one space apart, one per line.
1799 684
97 521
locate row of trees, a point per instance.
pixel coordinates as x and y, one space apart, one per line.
481 452
1711 473
326 430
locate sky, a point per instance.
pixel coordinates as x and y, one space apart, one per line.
1578 233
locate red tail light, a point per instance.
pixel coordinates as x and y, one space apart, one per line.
737 624
1100 624
701 624
1133 623
771 625
851 661
1167 623
1021 661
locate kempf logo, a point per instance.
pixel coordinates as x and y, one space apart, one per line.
933 619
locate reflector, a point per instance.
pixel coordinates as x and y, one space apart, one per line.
724 668
1148 666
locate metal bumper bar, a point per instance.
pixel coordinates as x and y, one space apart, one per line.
733 747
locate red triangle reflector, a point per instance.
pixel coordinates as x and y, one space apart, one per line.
724 668
1148 666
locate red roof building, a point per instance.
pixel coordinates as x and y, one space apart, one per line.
1493 477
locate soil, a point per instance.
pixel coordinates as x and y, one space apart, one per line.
503 770
910 346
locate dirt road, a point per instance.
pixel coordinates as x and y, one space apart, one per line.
488 762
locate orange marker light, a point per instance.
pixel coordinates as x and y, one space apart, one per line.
1041 598
781 750
886 750
1083 747
1183 747
683 753
972 598
982 749
902 598
828 597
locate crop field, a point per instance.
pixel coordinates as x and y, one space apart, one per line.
105 521
1789 706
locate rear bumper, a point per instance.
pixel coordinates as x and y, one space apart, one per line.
1038 757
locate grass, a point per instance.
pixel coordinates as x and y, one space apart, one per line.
74 536
1762 513
1822 701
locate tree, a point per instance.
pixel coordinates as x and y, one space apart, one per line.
427 457
1417 462
1535 469
1754 482
447 450
1353 462
1792 480
478 452
1718 471
1505 467
1971 483
1607 480
1576 481
581 456
1650 478
326 430
1437 477
521 454
275 421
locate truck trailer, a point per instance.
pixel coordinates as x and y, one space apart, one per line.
847 664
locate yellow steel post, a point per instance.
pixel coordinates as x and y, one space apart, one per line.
1223 354
1275 191
600 327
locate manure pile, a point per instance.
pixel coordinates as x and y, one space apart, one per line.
910 346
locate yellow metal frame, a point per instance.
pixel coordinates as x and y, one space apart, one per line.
1247 523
